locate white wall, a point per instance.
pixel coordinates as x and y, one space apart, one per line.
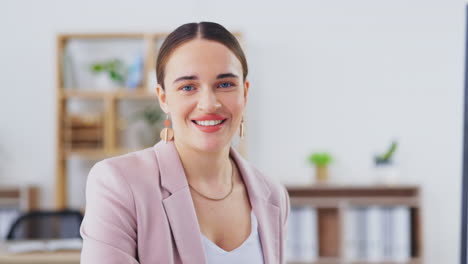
345 76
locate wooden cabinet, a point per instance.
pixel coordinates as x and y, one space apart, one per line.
332 201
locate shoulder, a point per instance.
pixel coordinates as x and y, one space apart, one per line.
132 159
130 169
278 193
261 185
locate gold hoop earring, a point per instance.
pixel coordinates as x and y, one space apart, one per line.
167 134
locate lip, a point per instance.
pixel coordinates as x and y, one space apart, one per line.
210 129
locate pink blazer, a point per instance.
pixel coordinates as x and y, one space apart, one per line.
139 210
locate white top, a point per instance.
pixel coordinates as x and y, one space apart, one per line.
250 252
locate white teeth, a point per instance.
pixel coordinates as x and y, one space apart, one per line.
209 122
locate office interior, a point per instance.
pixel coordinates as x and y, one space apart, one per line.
355 82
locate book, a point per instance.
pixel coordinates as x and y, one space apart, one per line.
361 231
388 226
374 250
377 233
402 233
350 234
308 237
302 240
293 237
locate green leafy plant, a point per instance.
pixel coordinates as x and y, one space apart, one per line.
320 159
115 68
386 157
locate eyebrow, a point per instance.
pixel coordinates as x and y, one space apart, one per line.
194 77
191 77
226 75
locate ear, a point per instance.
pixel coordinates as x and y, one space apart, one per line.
246 90
162 98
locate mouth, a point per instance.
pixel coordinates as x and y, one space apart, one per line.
209 123
209 126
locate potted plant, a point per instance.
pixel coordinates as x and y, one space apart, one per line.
111 73
321 160
385 169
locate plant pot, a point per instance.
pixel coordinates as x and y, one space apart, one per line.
103 82
321 174
387 173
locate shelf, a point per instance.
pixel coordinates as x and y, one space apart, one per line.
355 191
122 93
332 202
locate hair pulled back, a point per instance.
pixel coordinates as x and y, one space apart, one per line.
203 30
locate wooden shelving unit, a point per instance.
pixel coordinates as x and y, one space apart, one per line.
110 99
332 200
119 94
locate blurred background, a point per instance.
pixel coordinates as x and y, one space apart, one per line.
339 79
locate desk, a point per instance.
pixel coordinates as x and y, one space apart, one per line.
59 257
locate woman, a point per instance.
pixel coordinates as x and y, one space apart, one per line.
191 198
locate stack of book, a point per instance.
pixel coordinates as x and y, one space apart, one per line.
377 233
302 240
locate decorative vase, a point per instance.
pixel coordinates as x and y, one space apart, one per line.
321 174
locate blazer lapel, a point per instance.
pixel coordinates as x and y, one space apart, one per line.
181 211
179 205
268 214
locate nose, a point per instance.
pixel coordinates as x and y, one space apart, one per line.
208 101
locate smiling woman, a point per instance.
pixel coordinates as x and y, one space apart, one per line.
201 75
191 198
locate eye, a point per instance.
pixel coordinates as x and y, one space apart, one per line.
225 85
187 88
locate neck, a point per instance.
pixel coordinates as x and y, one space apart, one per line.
206 168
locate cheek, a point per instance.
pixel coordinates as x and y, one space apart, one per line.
180 109
236 107
240 103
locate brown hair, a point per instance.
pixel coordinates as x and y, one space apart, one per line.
204 30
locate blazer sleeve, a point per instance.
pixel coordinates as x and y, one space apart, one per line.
286 211
109 225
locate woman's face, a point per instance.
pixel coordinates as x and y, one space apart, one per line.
203 81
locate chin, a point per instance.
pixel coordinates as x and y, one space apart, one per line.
210 145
